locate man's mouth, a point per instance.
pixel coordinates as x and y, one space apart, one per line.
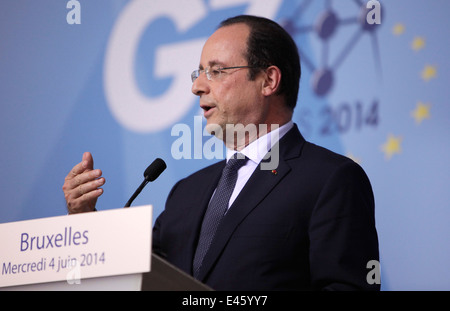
207 109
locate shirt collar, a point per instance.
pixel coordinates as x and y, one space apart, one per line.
256 150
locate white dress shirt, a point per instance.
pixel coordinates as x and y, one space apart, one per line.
255 152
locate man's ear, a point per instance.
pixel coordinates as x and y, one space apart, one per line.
272 81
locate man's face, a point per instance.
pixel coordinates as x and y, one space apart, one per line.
233 98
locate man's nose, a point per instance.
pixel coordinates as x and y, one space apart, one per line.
200 85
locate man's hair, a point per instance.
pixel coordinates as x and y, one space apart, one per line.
270 45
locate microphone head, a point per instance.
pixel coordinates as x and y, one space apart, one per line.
155 169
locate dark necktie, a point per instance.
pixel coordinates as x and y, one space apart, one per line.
217 208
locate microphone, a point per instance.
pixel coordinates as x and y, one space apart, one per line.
151 173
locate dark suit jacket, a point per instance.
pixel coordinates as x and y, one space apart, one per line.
310 226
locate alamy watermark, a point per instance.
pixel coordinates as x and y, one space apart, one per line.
74 274
374 275
195 144
374 14
74 15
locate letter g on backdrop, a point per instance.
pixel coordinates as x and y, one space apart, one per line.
129 106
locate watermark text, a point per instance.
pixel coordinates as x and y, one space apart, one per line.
74 15
195 144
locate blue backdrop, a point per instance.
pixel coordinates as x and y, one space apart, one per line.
112 78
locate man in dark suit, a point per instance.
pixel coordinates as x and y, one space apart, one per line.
289 215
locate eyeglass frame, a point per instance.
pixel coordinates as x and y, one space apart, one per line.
196 73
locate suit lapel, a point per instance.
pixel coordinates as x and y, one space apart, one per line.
256 189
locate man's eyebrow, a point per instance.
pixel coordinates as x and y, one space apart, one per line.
213 63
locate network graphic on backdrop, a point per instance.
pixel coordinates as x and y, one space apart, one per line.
326 25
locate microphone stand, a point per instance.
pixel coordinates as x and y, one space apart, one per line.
136 193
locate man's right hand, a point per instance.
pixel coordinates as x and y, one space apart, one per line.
81 186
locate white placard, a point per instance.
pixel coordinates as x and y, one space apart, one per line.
73 247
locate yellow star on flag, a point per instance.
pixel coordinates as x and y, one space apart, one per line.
418 43
392 146
398 29
421 112
429 72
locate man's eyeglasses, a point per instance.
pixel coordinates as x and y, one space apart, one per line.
213 73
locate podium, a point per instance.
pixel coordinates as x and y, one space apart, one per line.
107 251
166 277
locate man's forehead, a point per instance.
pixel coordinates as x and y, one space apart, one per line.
225 46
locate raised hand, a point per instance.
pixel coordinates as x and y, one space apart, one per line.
81 186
